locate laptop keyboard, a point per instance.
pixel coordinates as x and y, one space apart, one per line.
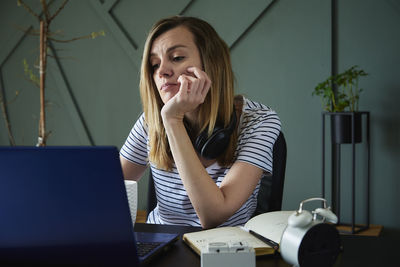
144 248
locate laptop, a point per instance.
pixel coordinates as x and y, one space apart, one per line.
68 205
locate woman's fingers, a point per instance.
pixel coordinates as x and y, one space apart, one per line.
192 90
199 82
194 86
202 77
191 84
184 81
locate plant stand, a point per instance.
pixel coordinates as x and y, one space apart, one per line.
335 189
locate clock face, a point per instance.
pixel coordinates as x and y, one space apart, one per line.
320 246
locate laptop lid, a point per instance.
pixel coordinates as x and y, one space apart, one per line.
64 205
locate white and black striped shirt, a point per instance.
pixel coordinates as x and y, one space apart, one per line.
258 129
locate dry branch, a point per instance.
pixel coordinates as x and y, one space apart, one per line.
45 19
22 3
58 11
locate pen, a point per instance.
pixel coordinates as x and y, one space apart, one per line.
268 241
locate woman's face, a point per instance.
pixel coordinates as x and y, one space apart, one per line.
171 54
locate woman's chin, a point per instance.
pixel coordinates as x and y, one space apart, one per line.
168 96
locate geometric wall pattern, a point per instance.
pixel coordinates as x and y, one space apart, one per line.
126 23
92 87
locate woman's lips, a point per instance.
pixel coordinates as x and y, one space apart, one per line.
168 86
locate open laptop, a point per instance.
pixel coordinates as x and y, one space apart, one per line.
67 205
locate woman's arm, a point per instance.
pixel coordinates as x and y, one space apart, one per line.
131 171
213 204
133 154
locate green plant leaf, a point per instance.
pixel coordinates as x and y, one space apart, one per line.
347 95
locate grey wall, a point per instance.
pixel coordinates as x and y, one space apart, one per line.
280 50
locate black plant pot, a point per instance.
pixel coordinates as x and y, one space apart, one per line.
341 127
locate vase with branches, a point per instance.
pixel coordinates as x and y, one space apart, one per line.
45 18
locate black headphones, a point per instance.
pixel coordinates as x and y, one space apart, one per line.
213 146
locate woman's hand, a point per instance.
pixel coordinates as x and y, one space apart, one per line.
194 86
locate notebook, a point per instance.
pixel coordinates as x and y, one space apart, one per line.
67 205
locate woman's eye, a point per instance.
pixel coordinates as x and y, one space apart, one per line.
155 66
178 58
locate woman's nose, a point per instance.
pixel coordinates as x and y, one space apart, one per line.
165 70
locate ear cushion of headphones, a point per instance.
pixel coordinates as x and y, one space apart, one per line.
211 147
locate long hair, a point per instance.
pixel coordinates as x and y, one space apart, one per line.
218 105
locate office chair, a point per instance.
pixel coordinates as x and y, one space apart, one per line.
151 195
270 193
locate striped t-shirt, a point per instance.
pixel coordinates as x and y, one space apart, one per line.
259 127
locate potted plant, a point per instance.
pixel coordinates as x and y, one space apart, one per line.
342 103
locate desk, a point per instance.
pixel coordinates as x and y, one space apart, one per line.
357 250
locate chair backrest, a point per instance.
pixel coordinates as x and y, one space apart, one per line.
271 188
270 194
151 195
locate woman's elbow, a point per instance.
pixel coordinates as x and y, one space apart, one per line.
212 220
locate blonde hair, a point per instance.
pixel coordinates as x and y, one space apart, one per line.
218 105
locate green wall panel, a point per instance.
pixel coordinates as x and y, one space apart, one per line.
278 63
372 41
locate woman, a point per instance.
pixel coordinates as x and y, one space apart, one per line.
186 88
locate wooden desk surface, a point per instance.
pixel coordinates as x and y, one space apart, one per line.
141 216
357 250
374 230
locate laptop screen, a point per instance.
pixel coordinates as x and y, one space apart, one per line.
64 205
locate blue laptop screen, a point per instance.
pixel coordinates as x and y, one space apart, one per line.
65 205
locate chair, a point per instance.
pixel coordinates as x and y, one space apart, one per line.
151 195
270 193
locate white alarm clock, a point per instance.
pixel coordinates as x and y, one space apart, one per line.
308 240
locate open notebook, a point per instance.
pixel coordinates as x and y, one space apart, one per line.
67 205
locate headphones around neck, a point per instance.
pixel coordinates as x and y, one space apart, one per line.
212 147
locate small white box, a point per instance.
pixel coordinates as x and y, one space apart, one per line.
222 254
